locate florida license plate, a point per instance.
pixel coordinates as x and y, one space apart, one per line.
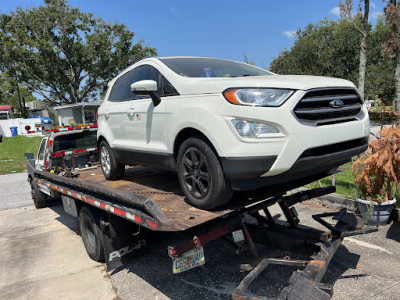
189 260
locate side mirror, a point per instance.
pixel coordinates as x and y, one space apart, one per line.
29 155
147 87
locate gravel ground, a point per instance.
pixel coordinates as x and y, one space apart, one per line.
14 191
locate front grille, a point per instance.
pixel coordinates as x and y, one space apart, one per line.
316 107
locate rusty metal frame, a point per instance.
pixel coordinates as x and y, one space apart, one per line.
306 283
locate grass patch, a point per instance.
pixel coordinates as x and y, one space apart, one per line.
12 151
380 108
388 118
344 181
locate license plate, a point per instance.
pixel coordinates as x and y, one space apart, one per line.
189 260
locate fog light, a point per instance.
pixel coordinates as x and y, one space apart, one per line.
250 129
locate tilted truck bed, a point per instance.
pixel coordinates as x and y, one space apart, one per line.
149 197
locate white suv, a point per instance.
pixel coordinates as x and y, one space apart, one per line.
225 125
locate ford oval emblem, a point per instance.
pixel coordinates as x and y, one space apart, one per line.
336 103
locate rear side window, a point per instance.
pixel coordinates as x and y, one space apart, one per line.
75 141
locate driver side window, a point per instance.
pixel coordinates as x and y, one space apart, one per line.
146 72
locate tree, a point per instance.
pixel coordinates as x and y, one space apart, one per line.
63 54
13 94
248 60
346 12
327 48
332 48
391 45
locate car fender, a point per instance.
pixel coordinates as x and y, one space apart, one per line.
197 122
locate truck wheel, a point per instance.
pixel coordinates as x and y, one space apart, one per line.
111 169
201 176
38 197
89 224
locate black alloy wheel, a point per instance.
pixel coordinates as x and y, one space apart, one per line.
200 174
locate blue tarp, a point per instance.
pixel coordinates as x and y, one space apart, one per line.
43 120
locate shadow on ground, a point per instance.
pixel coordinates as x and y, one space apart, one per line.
393 232
218 278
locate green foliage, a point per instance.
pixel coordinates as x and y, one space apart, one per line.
344 181
248 60
12 151
9 94
64 54
332 48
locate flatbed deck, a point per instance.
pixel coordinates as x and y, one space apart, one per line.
162 187
149 191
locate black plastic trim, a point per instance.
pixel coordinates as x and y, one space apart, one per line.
145 158
246 167
305 167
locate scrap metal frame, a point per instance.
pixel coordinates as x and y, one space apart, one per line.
303 284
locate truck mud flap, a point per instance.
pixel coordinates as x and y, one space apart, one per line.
123 241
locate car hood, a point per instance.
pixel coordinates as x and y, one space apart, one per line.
190 86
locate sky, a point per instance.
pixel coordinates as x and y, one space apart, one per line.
218 28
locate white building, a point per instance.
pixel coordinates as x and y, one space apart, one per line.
78 113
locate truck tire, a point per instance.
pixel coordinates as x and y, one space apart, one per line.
89 224
109 166
201 176
38 197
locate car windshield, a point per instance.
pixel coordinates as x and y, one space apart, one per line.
86 139
211 67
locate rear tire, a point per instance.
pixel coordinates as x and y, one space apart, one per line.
109 166
201 176
89 224
38 197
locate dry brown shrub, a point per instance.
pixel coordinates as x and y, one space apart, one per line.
378 170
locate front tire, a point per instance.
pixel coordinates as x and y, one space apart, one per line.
201 176
109 166
89 224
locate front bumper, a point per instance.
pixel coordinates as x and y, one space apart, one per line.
316 161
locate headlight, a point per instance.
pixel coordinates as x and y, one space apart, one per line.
257 97
249 129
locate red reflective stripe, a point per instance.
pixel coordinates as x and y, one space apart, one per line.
78 127
74 195
55 130
90 200
70 128
119 212
79 151
58 154
152 224
138 219
47 165
50 142
96 148
93 126
102 205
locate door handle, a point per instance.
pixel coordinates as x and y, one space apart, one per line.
107 113
131 112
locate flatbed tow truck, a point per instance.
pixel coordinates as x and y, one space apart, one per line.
116 218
